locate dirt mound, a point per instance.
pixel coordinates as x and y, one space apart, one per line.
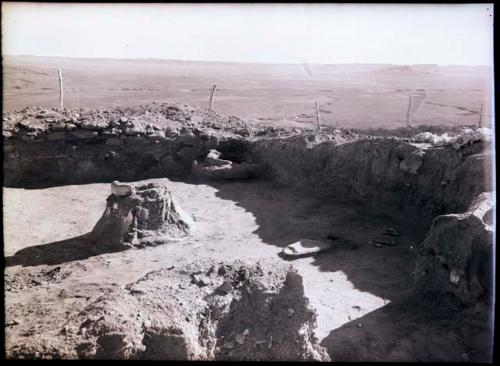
202 311
457 254
140 215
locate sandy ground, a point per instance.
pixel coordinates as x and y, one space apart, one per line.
352 280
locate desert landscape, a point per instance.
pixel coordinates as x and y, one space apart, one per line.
166 209
350 96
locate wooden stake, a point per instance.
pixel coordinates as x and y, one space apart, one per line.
318 118
481 116
408 113
211 102
61 104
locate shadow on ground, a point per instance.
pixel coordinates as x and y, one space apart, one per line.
59 252
410 327
414 329
284 216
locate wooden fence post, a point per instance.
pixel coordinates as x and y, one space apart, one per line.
61 104
318 118
408 112
211 102
481 116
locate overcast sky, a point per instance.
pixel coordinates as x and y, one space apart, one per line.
275 33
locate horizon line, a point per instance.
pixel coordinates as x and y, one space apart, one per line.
242 62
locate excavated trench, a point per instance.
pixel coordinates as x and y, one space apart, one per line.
444 190
418 179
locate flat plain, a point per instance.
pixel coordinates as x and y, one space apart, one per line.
349 95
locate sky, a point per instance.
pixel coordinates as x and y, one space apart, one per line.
460 34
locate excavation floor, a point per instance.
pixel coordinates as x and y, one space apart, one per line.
351 286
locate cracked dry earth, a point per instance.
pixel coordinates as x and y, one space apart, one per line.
53 275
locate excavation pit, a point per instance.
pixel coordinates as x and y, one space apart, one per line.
364 294
344 285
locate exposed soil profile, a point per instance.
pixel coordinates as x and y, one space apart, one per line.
155 232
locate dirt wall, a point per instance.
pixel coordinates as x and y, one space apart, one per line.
413 177
457 254
46 148
43 148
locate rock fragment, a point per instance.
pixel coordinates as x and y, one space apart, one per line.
225 288
454 277
222 270
305 247
96 125
391 232
121 190
59 126
240 338
26 125
84 134
388 241
332 236
412 162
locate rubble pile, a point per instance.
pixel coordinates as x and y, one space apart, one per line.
152 121
466 137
